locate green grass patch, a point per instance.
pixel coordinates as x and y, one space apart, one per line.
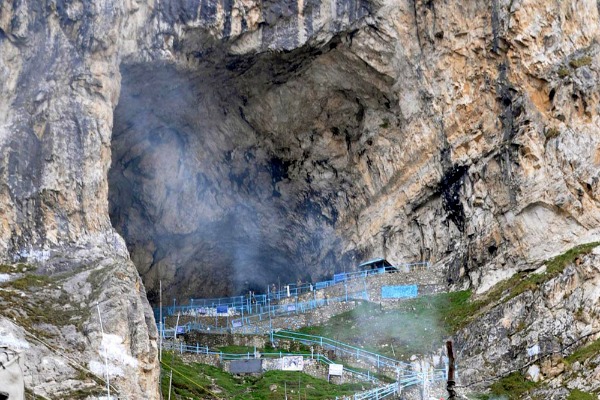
585 352
580 62
456 308
512 386
415 326
554 267
297 385
522 282
579 395
28 281
14 268
36 308
563 72
200 381
232 349
194 380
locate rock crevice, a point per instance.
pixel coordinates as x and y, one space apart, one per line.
231 143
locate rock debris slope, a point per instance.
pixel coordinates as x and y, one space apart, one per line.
234 142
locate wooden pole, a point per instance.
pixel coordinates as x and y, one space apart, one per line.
451 383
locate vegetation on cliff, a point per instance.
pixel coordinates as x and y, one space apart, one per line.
199 381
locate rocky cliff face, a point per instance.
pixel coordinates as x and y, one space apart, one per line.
537 332
414 130
235 142
62 262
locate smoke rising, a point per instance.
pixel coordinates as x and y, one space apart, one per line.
204 202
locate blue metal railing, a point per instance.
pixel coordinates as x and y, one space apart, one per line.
376 359
251 304
240 324
378 393
204 350
406 376
396 387
296 308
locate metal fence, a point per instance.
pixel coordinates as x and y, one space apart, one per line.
252 304
406 376
250 324
296 308
396 387
378 393
204 350
376 359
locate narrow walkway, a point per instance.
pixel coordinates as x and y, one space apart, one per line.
261 322
405 375
256 303
204 350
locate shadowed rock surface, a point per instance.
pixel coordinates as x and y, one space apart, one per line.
256 140
462 134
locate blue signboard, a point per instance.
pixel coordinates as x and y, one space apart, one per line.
236 324
222 310
339 277
291 307
180 330
399 292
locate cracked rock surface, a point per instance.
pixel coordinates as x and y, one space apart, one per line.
234 142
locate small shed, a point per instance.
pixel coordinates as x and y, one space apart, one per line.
377 263
248 366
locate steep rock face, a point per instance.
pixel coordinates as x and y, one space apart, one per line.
60 82
72 326
495 180
461 133
283 134
535 331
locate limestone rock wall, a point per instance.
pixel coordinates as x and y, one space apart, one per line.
464 133
534 332
60 63
70 327
491 181
456 133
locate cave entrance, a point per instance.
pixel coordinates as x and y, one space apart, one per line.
233 175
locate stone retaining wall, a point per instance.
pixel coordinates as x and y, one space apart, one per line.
311 367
